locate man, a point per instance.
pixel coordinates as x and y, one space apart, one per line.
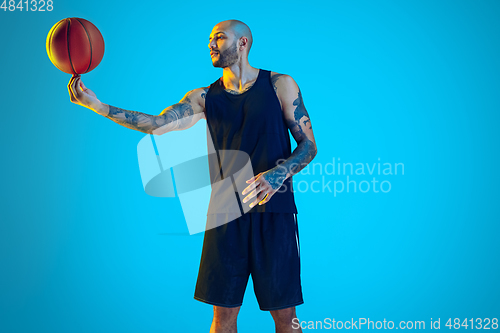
250 110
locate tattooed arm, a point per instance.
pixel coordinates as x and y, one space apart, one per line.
297 119
299 124
177 117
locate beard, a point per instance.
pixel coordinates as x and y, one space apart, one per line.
227 57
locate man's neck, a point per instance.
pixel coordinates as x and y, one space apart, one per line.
236 77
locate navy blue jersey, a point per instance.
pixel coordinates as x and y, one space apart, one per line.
251 122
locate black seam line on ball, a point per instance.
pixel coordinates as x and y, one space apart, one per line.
90 43
67 44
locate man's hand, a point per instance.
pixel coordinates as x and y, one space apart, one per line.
265 184
81 95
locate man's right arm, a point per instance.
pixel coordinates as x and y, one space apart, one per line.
179 116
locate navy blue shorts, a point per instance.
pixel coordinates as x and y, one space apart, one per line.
265 245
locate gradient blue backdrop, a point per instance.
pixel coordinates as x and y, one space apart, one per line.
84 249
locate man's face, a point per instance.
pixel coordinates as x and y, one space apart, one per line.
223 48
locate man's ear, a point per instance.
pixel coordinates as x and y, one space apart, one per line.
243 41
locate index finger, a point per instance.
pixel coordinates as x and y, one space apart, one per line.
70 85
74 86
71 81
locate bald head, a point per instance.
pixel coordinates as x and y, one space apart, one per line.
239 29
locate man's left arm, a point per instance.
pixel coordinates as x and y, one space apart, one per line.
265 184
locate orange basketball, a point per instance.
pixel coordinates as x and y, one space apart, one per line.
75 45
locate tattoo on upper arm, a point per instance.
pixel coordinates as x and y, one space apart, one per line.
300 119
306 148
204 93
172 118
300 110
179 110
275 78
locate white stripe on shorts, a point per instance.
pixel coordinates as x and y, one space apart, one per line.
296 238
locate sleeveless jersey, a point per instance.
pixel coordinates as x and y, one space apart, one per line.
251 122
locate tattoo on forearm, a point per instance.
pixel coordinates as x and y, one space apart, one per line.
168 120
132 119
301 156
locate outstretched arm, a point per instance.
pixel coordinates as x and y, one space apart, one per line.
179 116
297 119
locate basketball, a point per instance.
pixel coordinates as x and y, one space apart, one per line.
75 45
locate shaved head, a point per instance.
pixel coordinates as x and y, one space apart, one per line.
239 29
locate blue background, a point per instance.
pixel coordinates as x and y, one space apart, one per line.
85 249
